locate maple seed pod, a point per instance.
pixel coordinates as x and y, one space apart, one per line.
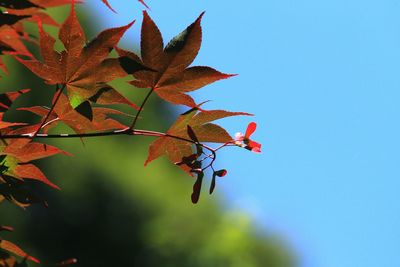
212 186
197 188
221 173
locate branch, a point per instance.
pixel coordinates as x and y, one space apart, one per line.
125 131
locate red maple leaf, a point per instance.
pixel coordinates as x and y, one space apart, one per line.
10 42
205 131
63 112
18 156
14 249
31 10
112 9
108 5
169 75
143 3
80 67
6 100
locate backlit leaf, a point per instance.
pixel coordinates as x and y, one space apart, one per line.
170 77
107 95
31 10
64 112
6 100
108 5
143 3
10 19
199 122
11 43
30 171
31 151
20 4
14 249
80 67
16 191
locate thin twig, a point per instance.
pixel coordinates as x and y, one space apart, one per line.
60 91
140 109
224 145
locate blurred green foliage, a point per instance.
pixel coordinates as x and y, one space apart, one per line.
113 212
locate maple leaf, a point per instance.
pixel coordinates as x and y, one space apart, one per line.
7 260
14 249
53 3
17 192
10 19
34 4
31 10
107 95
6 100
6 124
170 77
63 112
108 5
17 154
23 10
10 42
143 3
80 68
20 4
200 123
3 66
25 151
112 9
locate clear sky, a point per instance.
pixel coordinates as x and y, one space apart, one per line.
323 79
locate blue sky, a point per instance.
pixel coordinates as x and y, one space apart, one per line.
322 78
